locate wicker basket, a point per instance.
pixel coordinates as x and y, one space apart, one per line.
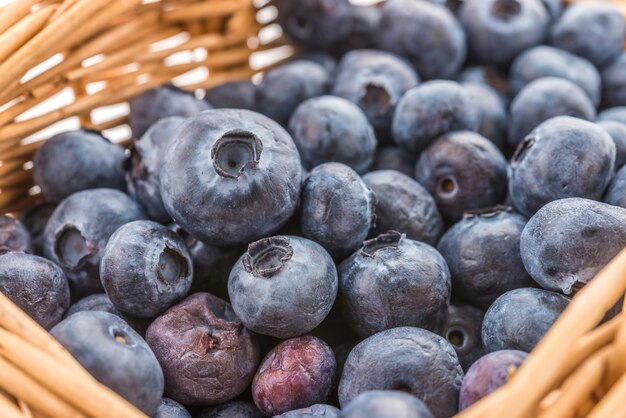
84 55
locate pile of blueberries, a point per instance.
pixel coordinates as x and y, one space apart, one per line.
382 227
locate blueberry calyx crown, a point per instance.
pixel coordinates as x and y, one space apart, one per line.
376 97
522 150
171 266
487 212
267 256
388 240
506 9
235 151
71 248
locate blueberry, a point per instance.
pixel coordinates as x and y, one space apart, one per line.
394 158
314 411
231 176
145 269
488 374
617 131
498 30
386 404
554 7
169 408
592 30
315 24
483 253
283 88
412 360
463 330
35 219
295 374
492 110
275 292
431 110
559 245
322 58
232 409
426 34
520 318
403 205
547 61
375 81
143 168
330 128
337 208
363 26
487 75
14 236
233 94
79 160
543 99
36 285
463 171
78 231
207 355
614 83
392 282
114 354
616 193
563 157
160 102
617 114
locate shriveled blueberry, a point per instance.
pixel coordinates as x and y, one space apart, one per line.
145 269
616 193
233 94
426 34
207 355
363 29
498 30
231 176
143 175
316 411
403 205
463 171
35 219
232 409
38 286
297 373
337 208
560 243
412 360
592 30
274 290
463 330
330 128
488 374
493 112
614 83
375 81
393 282
14 236
160 102
483 253
617 114
394 158
431 110
113 353
617 131
386 404
543 99
78 231
563 157
520 318
169 408
285 87
487 75
78 160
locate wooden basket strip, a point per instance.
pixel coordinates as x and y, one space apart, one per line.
20 152
219 78
8 408
612 404
11 166
21 202
17 178
14 12
63 7
206 10
121 120
17 36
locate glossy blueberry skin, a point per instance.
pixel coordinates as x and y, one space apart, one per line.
463 171
463 330
297 373
36 285
239 94
274 290
488 374
315 411
78 160
483 253
160 102
315 24
430 110
547 61
232 409
617 131
428 35
14 236
242 167
393 282
616 193
498 30
145 269
493 113
35 219
403 205
594 31
143 168
394 158
207 355
559 244
330 128
386 404
487 75
617 114
563 157
520 318
285 87
115 355
413 360
337 209
543 99
375 81
78 231
364 22
169 408
614 83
